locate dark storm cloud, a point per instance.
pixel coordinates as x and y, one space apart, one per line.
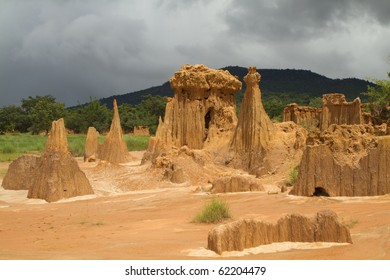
285 20
338 38
75 50
69 50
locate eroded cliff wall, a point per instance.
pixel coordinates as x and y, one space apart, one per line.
347 160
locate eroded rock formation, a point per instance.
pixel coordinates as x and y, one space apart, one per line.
346 160
114 148
336 110
246 233
202 111
57 174
254 130
236 183
302 115
20 172
91 145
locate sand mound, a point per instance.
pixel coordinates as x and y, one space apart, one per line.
20 172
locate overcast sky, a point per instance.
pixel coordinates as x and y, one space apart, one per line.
76 49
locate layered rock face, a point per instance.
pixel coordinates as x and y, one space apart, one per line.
91 145
254 130
57 174
336 110
346 160
302 115
20 172
236 183
114 148
242 234
201 112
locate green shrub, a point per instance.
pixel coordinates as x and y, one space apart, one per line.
293 176
213 212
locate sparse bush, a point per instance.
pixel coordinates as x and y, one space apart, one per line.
213 212
293 176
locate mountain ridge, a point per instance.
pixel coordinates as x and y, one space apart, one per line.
274 82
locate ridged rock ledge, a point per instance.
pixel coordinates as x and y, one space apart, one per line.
248 233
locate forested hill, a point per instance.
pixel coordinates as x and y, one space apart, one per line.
289 84
275 81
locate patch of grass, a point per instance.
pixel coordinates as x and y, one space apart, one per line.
14 145
293 175
3 172
214 211
134 143
76 144
8 149
137 143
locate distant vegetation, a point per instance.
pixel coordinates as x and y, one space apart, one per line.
214 211
36 114
379 99
279 87
14 145
287 85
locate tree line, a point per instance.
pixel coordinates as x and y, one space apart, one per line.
35 115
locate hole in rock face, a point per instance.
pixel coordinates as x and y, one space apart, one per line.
320 191
207 119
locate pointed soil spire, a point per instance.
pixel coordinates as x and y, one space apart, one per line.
114 148
57 174
254 130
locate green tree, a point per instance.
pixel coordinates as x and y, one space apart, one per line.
42 110
93 114
43 113
130 117
379 99
145 113
13 118
315 102
274 107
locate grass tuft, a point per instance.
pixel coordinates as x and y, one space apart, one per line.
214 211
293 175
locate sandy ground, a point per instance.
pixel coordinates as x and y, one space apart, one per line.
155 223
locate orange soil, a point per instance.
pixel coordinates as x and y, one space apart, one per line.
156 224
